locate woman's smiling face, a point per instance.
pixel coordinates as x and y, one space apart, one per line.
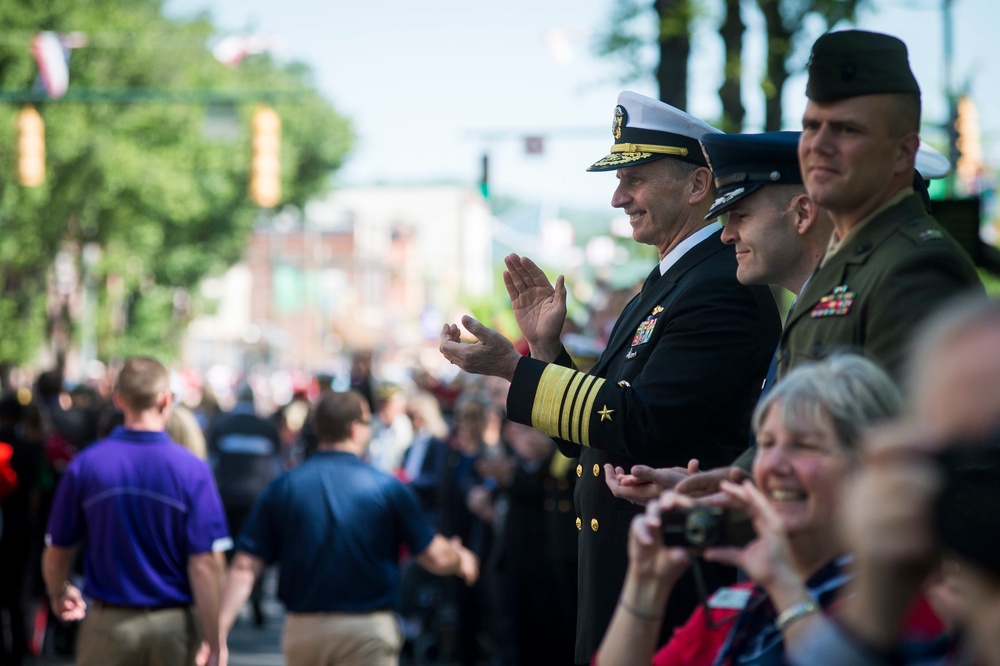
800 470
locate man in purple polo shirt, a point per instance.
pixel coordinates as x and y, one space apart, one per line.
148 516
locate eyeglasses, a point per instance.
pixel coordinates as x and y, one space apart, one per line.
366 422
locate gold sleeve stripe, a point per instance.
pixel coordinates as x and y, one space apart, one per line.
588 407
564 403
545 411
578 430
565 408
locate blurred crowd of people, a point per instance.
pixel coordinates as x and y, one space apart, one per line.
502 488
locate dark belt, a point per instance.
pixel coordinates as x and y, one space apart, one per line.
99 603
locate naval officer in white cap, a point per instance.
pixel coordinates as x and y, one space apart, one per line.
682 368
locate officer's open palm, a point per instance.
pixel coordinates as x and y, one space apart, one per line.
539 307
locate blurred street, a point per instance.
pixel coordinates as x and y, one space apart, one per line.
248 645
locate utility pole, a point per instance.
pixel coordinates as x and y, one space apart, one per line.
950 96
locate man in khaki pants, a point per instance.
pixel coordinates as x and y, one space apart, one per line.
335 526
147 515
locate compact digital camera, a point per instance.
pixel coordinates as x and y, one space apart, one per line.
703 527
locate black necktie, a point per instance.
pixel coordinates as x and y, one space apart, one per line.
653 276
772 371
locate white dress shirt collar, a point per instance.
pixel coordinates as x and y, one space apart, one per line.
675 254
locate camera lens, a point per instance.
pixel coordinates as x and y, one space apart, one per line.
702 527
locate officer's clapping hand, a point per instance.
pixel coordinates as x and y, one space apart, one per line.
539 308
492 354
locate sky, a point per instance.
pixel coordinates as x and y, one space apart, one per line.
432 86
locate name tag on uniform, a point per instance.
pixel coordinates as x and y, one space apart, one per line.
729 598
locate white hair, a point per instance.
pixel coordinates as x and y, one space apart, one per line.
846 392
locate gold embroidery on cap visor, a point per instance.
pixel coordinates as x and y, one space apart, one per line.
625 153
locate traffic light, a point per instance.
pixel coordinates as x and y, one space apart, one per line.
265 162
968 142
30 147
484 178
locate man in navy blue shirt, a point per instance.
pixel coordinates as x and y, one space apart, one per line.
335 526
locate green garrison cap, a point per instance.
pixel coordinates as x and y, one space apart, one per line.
851 63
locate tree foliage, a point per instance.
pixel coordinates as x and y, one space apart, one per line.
628 40
785 21
630 33
164 203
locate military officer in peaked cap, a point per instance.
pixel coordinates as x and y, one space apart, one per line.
778 233
889 264
683 365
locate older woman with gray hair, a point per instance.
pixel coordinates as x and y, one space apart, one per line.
807 429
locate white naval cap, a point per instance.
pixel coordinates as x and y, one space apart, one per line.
930 163
646 129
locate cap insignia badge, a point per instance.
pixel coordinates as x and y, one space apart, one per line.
619 121
728 196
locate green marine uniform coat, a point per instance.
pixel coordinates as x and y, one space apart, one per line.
872 293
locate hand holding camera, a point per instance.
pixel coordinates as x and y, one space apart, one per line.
702 527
